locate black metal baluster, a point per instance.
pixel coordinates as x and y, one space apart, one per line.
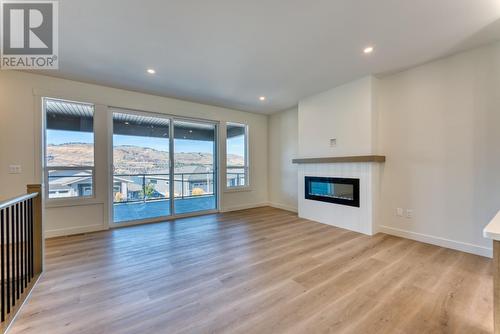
32 227
17 250
25 244
13 249
21 247
2 263
28 240
7 260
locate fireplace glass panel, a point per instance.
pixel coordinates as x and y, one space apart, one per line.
334 190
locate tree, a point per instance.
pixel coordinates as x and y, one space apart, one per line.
118 197
197 192
148 191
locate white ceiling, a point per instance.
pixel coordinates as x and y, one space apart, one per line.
230 52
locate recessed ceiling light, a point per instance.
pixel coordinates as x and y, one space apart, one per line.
368 49
151 71
262 98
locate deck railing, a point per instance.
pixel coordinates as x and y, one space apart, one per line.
21 252
155 187
236 176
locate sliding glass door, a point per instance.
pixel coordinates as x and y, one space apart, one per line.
154 162
194 166
141 163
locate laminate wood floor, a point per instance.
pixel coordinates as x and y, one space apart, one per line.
255 271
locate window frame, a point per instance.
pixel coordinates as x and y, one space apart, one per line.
246 166
73 200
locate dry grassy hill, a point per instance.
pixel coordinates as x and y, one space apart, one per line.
130 159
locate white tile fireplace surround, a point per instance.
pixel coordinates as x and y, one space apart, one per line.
331 126
361 219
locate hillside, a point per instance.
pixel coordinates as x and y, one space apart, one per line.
131 159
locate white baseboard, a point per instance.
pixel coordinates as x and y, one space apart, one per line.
438 241
244 207
283 207
74 230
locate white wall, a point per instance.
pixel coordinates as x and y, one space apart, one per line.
438 124
346 113
440 129
19 139
283 146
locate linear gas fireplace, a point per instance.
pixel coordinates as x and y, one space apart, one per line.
333 190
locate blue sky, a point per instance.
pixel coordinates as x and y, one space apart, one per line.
57 137
234 145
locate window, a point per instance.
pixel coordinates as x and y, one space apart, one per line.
69 149
236 155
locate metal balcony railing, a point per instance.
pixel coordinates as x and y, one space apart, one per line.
152 187
238 177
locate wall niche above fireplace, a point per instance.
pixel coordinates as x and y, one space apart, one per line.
342 191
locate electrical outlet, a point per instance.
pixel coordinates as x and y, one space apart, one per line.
409 213
399 212
15 169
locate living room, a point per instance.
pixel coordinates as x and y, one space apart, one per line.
275 167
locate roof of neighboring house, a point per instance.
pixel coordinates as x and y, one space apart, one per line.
59 187
133 187
121 179
193 173
67 180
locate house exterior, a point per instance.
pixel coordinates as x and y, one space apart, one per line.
189 181
69 184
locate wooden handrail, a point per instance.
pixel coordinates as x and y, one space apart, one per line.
22 246
17 199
